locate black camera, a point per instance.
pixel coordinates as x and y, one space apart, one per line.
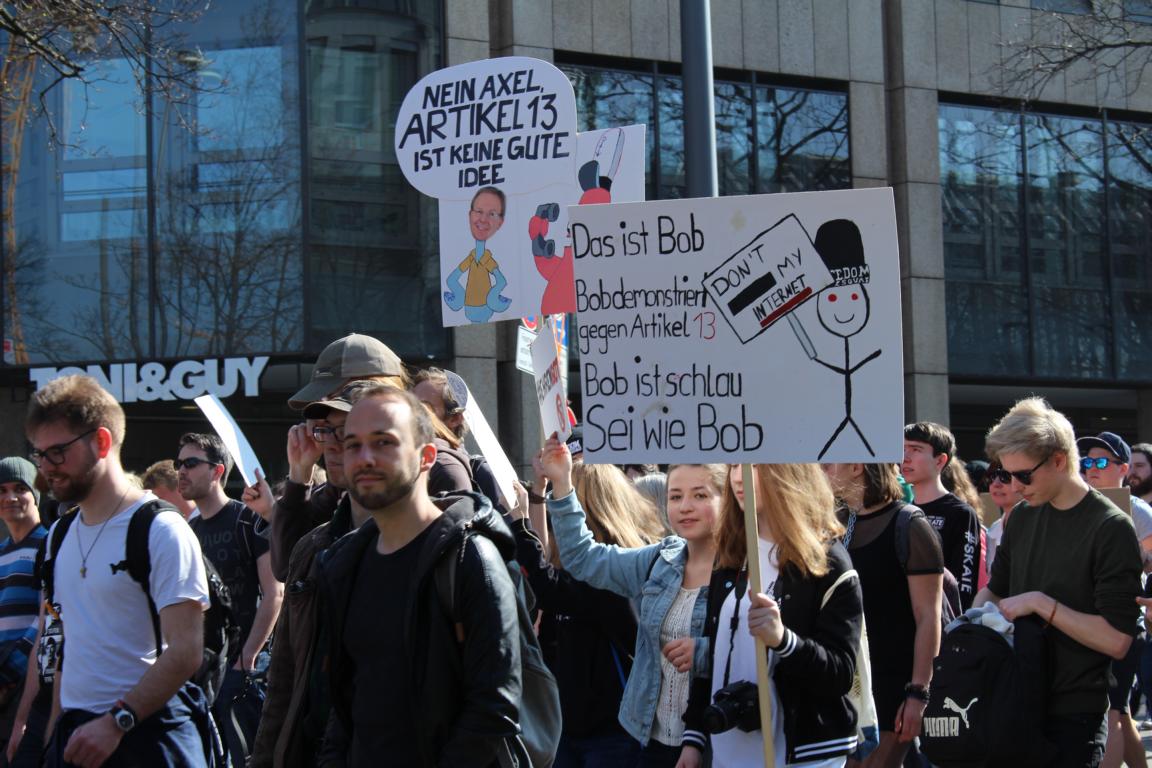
734 706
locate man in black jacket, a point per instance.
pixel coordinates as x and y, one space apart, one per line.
402 683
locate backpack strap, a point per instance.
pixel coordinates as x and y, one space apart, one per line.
47 564
138 558
904 517
445 577
848 574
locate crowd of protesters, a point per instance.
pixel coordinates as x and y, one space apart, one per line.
342 648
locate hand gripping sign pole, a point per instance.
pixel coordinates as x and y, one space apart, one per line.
755 585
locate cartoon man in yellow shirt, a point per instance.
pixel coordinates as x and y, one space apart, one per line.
480 298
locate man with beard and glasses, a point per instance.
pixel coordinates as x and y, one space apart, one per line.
122 703
401 682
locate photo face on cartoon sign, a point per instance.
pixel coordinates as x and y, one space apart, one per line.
486 215
843 310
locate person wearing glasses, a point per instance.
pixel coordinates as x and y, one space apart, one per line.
480 298
1005 497
226 530
1105 461
1070 557
121 703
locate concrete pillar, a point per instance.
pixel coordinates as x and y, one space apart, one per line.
913 171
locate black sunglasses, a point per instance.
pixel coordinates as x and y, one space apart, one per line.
192 462
55 454
1100 462
1024 475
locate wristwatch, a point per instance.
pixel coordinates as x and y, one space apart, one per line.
123 716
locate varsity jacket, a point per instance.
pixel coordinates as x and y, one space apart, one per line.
816 661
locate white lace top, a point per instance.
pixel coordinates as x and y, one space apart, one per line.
669 727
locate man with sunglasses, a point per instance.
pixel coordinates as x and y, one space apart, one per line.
1104 462
1071 558
226 530
121 703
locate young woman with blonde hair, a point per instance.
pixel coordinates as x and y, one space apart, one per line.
666 581
808 615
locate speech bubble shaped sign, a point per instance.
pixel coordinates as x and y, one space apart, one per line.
508 122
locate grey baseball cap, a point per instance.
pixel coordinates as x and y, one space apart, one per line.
351 357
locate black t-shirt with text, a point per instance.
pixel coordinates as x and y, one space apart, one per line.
959 530
230 543
382 716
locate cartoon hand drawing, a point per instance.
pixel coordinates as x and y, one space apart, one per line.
843 309
481 298
558 270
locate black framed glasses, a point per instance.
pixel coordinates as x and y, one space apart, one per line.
55 454
192 462
1024 476
328 434
1100 462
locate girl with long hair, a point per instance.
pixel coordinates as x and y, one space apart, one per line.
808 615
666 581
902 579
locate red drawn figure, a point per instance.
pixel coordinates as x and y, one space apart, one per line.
558 269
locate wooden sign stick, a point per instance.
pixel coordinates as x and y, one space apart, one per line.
754 587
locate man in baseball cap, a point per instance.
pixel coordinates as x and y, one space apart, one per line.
355 356
1104 463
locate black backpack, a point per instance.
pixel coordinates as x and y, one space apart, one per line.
987 703
540 720
950 599
221 630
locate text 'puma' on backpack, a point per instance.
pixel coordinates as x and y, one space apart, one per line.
221 630
540 720
987 698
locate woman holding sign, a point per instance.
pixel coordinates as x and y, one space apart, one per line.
808 616
668 581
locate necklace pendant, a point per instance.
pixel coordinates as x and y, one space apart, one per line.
83 572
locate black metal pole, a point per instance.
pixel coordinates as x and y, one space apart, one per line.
699 110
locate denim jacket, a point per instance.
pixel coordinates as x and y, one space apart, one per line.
649 576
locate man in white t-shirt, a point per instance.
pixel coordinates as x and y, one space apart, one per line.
121 702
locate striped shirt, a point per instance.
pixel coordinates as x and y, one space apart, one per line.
19 603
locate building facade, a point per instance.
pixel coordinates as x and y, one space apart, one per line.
264 216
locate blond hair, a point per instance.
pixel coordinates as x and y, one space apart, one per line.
1034 428
617 512
796 503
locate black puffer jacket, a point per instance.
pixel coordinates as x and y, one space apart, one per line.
817 659
467 698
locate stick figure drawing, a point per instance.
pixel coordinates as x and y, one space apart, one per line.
843 309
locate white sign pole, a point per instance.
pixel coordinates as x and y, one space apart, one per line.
755 585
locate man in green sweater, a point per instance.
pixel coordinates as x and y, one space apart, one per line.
1070 557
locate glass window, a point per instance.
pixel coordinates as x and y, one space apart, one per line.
1076 308
802 140
980 181
371 239
1063 6
767 139
163 228
1065 214
1130 228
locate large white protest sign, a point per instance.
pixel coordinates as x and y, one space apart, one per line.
486 440
549 384
232 436
495 142
740 329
